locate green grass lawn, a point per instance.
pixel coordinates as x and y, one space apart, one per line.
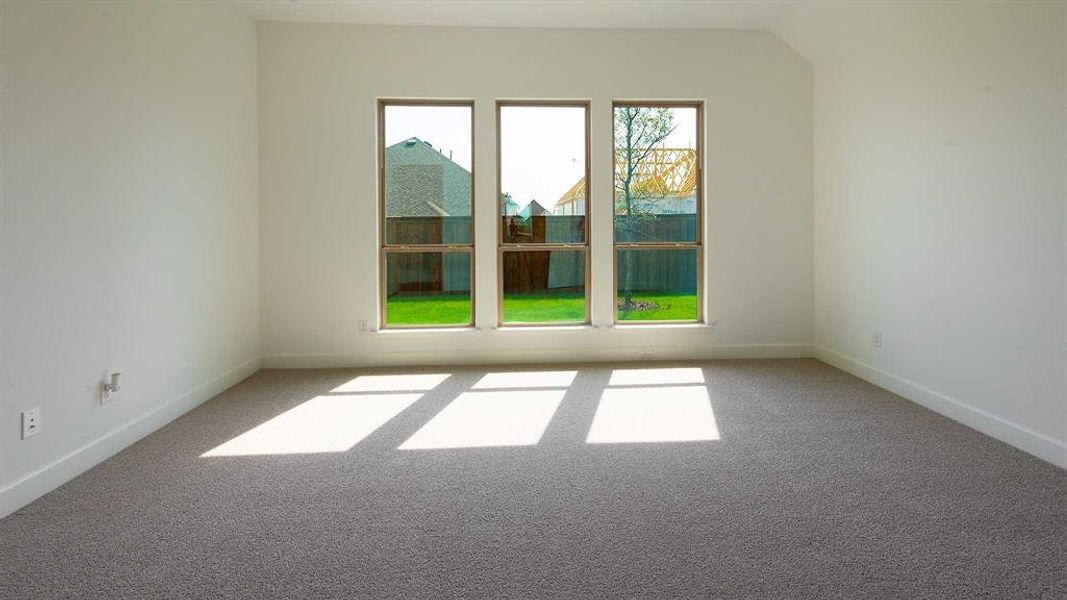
449 309
544 308
455 309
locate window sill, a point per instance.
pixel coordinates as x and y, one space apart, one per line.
401 331
423 330
559 327
635 326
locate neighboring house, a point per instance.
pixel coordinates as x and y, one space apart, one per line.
572 202
420 181
665 183
533 209
509 205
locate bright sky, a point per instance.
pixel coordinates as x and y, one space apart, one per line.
446 128
542 152
542 148
685 131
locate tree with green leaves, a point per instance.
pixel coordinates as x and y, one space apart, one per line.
639 131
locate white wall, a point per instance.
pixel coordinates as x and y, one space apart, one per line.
940 206
318 88
132 237
129 224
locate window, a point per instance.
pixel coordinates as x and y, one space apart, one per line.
658 207
543 230
425 154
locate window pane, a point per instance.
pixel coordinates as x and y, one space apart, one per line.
655 174
657 285
544 287
427 288
427 174
542 174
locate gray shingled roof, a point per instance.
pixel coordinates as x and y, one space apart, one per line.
422 182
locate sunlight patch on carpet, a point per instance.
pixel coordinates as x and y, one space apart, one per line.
485 419
653 414
672 376
526 379
411 382
322 424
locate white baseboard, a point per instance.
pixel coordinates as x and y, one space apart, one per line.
1027 440
35 484
31 486
498 356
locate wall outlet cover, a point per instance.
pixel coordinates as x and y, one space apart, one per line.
31 421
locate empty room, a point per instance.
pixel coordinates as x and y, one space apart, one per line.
426 299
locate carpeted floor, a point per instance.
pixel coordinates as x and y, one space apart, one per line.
818 486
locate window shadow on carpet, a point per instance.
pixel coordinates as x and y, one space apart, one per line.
470 409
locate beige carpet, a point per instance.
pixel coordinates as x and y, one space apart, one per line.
729 479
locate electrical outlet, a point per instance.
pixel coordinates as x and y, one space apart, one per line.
363 326
31 421
876 339
110 387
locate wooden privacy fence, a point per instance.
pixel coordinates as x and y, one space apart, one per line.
427 273
551 229
671 270
412 231
655 228
541 271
